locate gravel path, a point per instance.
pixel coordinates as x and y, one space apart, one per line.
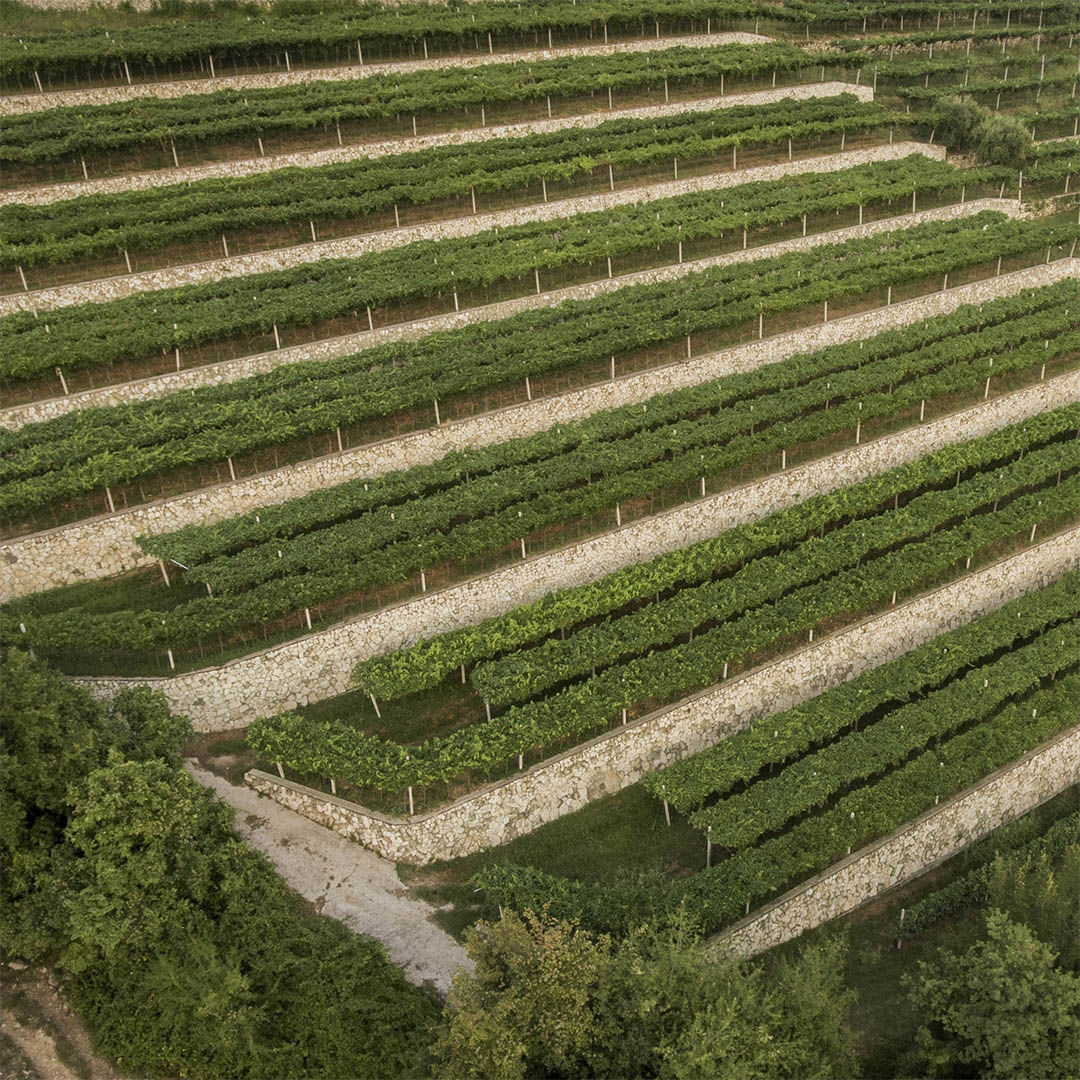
346 882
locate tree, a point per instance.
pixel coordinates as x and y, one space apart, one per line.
143 728
148 839
1046 900
1002 140
1000 1010
787 1023
549 999
50 737
528 1007
956 121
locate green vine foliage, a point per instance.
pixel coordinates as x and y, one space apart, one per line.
376 25
457 520
661 675
230 115
809 782
93 226
719 896
785 736
85 451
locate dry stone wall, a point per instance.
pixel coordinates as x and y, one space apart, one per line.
12 104
913 849
46 193
319 665
498 813
100 547
115 288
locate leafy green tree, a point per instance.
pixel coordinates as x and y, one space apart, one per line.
789 1024
549 999
52 734
142 727
1001 1010
1002 140
185 951
1046 899
956 120
528 1008
148 838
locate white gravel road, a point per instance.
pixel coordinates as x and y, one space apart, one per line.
346 882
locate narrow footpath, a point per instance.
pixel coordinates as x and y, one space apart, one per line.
346 882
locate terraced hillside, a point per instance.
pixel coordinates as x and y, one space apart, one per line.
488 410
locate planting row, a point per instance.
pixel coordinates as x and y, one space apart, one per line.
319 510
805 783
84 451
611 447
531 673
229 116
745 756
430 661
427 516
94 226
782 600
388 281
333 27
720 895
336 30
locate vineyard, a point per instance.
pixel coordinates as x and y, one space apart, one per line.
451 401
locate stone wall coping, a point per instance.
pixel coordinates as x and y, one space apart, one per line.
908 827
483 790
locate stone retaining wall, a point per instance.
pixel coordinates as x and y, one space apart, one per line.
102 546
12 104
115 288
319 665
497 813
913 849
46 193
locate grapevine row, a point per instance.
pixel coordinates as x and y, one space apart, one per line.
340 751
246 40
769 804
687 785
231 115
279 577
83 451
97 225
594 472
528 674
720 895
966 326
187 316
